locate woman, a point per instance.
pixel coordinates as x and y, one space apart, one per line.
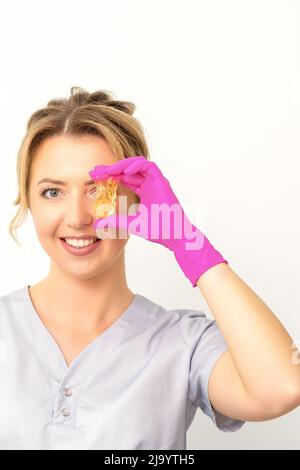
89 364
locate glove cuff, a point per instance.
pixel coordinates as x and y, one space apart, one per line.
196 258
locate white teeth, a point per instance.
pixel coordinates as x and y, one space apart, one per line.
80 243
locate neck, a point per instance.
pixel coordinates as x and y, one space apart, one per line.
83 303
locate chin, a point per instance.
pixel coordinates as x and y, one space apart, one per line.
83 274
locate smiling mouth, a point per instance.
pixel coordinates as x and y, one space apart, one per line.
81 247
97 239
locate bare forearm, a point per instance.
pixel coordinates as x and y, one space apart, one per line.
260 346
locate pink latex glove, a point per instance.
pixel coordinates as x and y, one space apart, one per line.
193 251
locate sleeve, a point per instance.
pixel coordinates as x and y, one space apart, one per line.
206 344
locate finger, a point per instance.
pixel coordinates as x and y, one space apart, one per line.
135 179
135 166
102 171
121 165
132 182
145 167
151 169
98 173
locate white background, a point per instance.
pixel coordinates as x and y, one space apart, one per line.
217 90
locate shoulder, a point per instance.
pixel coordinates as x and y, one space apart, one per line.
13 298
186 316
191 323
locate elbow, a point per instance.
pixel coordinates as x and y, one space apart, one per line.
285 402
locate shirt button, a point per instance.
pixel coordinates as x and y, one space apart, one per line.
67 392
65 412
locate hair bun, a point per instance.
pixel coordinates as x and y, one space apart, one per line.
80 96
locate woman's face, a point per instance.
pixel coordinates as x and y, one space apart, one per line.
66 210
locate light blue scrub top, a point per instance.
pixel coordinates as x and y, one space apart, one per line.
135 386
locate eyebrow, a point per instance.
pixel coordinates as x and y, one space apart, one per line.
61 183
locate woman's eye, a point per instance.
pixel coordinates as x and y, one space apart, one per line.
49 189
56 190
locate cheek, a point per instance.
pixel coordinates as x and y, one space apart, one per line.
115 245
45 222
112 251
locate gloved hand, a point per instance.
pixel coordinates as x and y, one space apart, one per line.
193 251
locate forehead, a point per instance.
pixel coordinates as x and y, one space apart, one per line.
64 156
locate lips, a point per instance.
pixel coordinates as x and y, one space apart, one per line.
70 238
80 251
83 237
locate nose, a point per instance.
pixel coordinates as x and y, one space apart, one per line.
79 212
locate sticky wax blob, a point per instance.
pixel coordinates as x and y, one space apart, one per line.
106 195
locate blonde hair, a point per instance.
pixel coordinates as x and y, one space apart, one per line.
97 113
